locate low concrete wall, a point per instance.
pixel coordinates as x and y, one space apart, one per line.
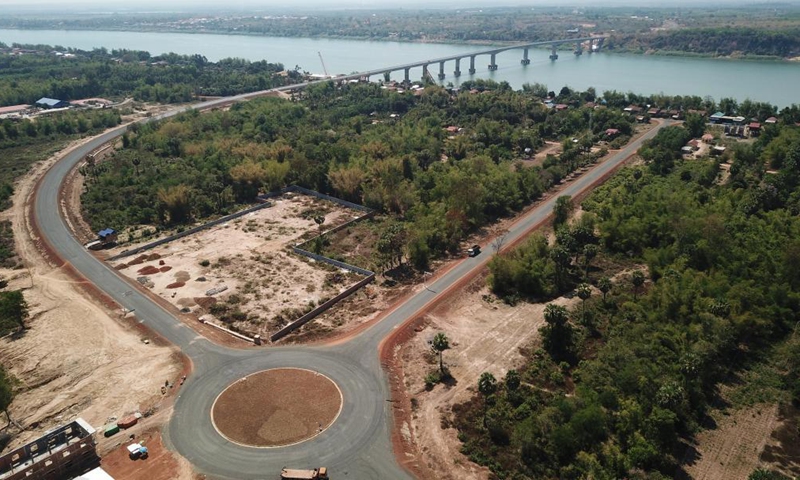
193 230
314 313
330 261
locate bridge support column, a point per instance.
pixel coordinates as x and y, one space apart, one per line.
387 77
578 49
472 65
425 73
553 53
457 73
408 75
591 47
441 71
525 60
493 64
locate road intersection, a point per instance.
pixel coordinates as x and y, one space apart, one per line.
358 444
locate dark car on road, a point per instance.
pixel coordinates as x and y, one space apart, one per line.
474 251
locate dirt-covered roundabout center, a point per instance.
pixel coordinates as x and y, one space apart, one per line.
277 407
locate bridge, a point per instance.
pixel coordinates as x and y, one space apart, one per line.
595 43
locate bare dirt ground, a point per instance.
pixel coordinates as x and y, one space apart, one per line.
160 464
485 336
735 447
277 407
265 284
76 358
763 436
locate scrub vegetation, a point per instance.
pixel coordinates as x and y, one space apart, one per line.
618 387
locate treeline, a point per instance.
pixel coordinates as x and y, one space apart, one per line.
168 78
714 41
387 150
622 383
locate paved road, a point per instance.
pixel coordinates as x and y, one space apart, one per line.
358 444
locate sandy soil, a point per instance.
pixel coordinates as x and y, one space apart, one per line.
264 281
485 335
75 359
277 407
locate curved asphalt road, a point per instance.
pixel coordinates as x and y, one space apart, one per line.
358 444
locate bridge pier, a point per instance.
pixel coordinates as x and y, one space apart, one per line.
441 71
553 53
408 75
472 65
578 49
525 60
600 43
591 47
387 77
493 64
425 73
457 73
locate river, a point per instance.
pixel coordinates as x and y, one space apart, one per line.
769 81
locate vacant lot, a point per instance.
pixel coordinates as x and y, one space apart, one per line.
485 336
243 273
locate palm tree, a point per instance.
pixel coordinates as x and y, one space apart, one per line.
604 285
513 380
637 279
487 385
584 293
440 344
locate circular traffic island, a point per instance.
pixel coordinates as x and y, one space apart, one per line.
275 408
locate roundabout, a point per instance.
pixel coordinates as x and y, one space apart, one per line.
276 408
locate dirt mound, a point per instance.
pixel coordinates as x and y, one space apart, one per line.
121 266
165 269
176 285
148 270
153 256
277 407
138 260
182 276
205 302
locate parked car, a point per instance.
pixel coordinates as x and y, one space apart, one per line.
474 251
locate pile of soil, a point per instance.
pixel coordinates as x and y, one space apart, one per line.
205 302
277 407
166 268
176 285
148 270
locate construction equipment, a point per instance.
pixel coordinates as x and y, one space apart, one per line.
324 68
316 474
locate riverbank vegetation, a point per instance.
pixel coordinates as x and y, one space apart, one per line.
704 291
744 30
72 74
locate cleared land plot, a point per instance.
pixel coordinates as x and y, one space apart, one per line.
485 335
277 407
260 284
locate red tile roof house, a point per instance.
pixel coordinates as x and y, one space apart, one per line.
771 120
562 106
612 132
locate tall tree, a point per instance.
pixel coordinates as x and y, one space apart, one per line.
637 280
557 334
487 386
562 210
440 343
13 308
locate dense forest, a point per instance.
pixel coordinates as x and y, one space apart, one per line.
705 289
169 78
362 143
751 30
